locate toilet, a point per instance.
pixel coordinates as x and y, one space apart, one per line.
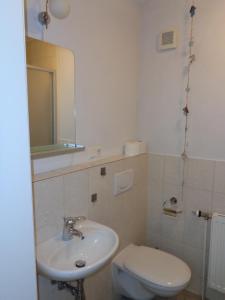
141 273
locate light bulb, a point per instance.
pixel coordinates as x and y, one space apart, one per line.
60 9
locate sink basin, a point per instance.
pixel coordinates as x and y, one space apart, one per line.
56 259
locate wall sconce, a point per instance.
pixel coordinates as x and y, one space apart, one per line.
60 9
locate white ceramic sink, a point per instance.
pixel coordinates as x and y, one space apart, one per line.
56 258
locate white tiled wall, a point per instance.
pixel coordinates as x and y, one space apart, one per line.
70 195
204 189
183 236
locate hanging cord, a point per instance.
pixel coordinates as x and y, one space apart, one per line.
184 155
191 59
186 111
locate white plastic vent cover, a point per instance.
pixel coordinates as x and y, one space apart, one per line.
168 40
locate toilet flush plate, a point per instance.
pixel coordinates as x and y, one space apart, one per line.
123 181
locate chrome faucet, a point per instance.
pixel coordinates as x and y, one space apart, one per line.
68 229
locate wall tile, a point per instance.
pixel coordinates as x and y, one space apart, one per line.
194 227
173 247
154 208
117 208
183 236
137 163
218 203
154 224
199 174
76 194
172 190
139 215
172 228
154 240
219 184
140 166
103 187
173 170
195 199
194 230
48 207
125 213
194 258
122 211
156 167
155 199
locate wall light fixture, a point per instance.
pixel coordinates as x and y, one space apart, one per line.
60 9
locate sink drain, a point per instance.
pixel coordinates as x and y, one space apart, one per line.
80 263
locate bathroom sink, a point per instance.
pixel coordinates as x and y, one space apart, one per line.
57 259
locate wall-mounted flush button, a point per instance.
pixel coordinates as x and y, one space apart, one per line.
103 171
94 198
123 181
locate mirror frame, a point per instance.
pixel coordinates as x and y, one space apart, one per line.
54 150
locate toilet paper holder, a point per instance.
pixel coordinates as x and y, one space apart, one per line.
172 208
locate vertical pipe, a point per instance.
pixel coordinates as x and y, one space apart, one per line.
204 261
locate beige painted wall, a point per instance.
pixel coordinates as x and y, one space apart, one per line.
163 78
103 34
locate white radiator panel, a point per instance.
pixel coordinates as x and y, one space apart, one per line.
216 274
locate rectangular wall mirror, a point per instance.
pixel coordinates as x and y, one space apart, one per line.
51 96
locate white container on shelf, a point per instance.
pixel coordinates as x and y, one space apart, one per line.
132 148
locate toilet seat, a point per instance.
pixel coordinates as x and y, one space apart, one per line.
156 267
141 273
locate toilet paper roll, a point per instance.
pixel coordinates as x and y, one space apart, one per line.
132 148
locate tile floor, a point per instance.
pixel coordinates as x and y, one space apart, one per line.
183 296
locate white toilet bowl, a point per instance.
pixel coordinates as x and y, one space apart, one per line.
141 273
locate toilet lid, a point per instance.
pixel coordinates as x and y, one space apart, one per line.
158 267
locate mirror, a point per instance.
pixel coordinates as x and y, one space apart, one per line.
51 98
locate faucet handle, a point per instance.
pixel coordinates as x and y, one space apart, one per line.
69 220
73 220
80 218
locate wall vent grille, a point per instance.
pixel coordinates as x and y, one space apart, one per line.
168 40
